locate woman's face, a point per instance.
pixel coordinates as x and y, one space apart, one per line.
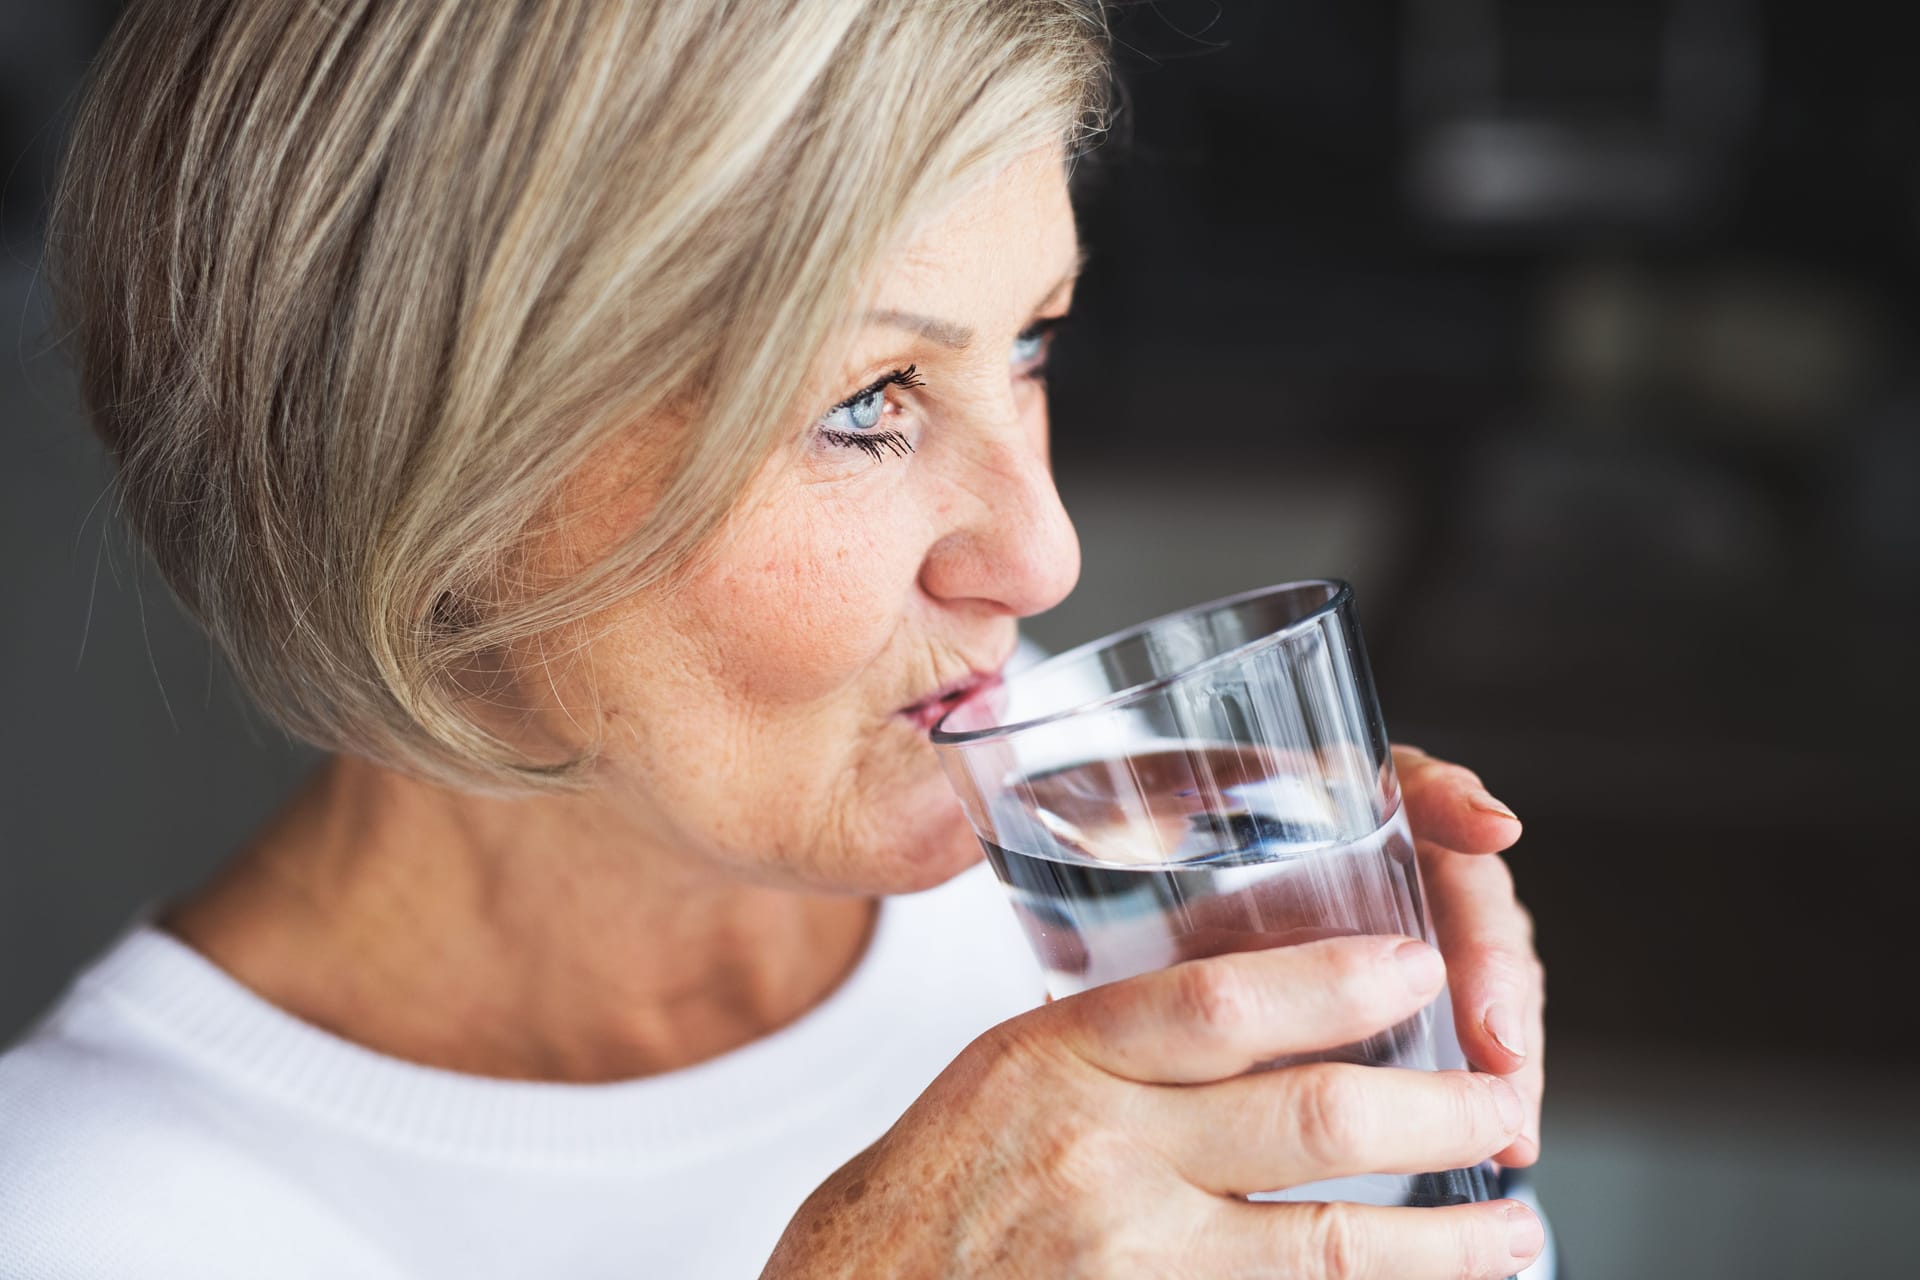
772 716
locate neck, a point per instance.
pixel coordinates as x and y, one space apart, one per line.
528 938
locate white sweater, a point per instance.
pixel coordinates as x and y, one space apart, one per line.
164 1122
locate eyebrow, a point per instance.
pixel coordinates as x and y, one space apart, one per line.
949 334
932 328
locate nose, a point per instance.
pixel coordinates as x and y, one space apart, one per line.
1016 549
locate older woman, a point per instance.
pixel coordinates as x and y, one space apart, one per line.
615 430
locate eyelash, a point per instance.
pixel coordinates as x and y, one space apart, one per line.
875 444
878 444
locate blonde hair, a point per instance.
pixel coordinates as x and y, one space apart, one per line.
355 287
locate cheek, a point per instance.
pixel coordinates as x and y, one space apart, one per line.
800 607
753 703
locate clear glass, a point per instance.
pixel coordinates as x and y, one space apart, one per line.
1215 780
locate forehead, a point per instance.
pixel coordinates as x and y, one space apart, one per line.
1013 230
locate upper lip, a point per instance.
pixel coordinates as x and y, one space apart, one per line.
949 694
952 691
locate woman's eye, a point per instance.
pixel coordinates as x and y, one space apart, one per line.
851 423
858 415
1029 347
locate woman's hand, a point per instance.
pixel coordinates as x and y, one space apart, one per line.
1112 1134
1499 987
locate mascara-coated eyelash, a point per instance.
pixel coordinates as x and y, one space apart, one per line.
875 444
906 378
862 412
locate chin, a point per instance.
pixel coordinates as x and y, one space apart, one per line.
935 850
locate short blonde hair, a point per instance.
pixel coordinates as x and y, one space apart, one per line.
355 287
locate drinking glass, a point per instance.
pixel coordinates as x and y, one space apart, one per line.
1215 780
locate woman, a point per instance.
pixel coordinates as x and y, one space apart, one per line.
615 431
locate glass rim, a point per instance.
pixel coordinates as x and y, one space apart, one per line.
1340 593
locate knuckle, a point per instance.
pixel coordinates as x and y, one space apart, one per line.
1215 1000
1474 1112
1335 1245
1362 980
1489 1124
1109 1255
1458 775
1500 880
1081 1157
1499 964
1329 1115
1003 1065
1010 1049
1525 916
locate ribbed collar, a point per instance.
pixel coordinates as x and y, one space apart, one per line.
191 1009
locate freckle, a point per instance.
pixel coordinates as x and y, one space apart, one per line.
854 1191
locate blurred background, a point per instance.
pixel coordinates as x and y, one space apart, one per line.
1583 337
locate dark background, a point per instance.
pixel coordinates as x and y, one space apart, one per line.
1582 337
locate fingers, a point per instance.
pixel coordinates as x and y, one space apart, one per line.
1487 938
1447 804
1362 1242
1211 1019
1530 1080
1487 941
1303 1124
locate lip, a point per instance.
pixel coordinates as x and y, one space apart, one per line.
929 711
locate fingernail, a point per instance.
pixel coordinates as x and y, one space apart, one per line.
1525 1235
1421 966
1513 1112
1504 1027
1485 803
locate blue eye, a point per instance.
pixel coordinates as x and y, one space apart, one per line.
850 424
1029 347
861 411
1029 353
862 414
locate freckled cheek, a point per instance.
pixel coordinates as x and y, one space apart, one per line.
807 623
